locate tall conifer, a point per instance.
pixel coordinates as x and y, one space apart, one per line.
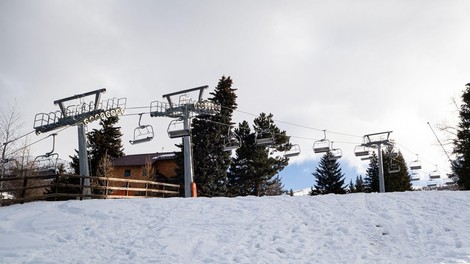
209 133
328 176
461 164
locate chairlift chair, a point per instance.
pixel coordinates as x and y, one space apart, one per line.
47 163
449 182
416 164
264 138
434 175
322 145
393 168
362 151
176 129
142 133
232 141
366 158
392 155
293 151
335 153
414 177
432 184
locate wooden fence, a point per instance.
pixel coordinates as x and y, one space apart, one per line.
66 186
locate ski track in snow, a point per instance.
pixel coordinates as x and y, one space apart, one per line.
410 227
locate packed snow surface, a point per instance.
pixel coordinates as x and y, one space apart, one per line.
410 227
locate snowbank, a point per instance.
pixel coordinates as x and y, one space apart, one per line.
411 227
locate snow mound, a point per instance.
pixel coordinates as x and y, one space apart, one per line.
410 227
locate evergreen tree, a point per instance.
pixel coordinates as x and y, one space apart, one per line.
352 187
461 164
398 180
328 176
360 185
211 162
371 181
393 181
254 167
101 142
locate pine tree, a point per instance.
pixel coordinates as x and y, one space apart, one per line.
461 164
254 167
393 181
398 181
101 142
359 185
371 181
328 176
352 187
211 162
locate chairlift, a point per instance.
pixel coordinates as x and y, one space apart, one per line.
414 177
432 184
366 158
362 151
335 153
449 182
322 145
393 168
142 133
232 141
293 151
392 155
415 165
47 163
264 137
434 175
176 129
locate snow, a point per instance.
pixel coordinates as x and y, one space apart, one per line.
409 227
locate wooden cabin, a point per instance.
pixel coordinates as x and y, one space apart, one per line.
137 166
151 166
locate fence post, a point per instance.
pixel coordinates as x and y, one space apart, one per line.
127 189
57 178
23 191
106 190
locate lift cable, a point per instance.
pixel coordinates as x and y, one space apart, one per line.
448 157
287 123
37 141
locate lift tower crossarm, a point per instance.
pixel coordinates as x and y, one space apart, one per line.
97 94
200 88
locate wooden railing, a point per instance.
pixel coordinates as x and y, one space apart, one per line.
67 186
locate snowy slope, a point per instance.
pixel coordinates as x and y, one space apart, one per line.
411 227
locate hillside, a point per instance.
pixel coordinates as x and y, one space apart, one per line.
411 227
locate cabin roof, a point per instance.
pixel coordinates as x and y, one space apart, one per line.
142 159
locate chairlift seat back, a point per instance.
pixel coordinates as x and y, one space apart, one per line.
178 133
263 142
434 175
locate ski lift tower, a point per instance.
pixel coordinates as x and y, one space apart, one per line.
182 110
80 115
376 140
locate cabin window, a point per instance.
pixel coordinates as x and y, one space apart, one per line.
127 173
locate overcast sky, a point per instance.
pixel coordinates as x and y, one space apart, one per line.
350 67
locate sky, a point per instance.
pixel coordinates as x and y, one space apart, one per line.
407 227
348 67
